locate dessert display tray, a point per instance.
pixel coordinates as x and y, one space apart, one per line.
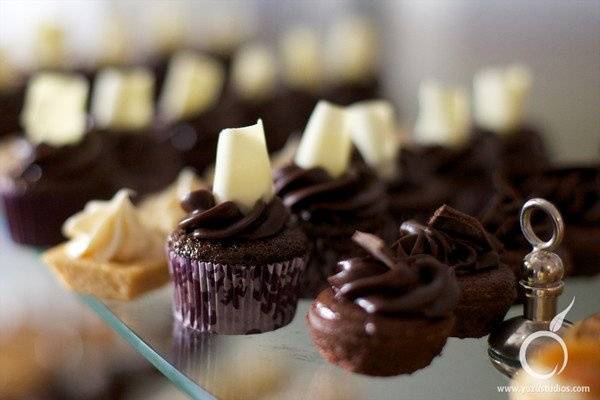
220 366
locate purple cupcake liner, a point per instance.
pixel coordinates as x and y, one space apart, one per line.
234 299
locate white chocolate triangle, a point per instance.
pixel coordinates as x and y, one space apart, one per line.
326 140
302 65
114 45
242 167
50 48
352 50
169 23
54 110
444 117
373 130
254 72
193 85
123 100
499 97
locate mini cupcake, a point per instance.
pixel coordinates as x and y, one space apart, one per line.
111 254
330 198
576 193
501 218
302 74
235 261
11 96
123 109
254 92
188 116
499 105
487 286
445 150
384 315
352 61
58 167
414 192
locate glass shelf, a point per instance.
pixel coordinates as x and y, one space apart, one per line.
220 366
283 363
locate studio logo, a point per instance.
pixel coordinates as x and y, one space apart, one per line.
554 327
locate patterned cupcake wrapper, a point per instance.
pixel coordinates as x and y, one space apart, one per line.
234 299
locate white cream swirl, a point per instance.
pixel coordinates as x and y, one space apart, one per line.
111 231
163 211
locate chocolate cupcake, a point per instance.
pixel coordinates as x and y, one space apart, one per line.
413 189
58 168
302 74
235 260
12 89
575 191
383 314
501 218
352 61
123 109
189 113
445 152
329 198
254 92
499 100
487 286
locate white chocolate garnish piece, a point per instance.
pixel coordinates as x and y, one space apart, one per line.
254 72
326 140
170 25
54 110
444 117
123 100
373 130
301 58
50 50
499 97
193 85
242 167
352 50
114 45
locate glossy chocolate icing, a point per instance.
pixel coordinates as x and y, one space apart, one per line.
314 195
383 283
453 238
46 164
208 220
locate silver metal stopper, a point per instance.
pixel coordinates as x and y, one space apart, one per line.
541 283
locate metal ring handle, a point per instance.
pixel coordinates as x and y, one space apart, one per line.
558 228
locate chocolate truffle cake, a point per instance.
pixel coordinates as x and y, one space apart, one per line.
58 167
329 198
383 314
487 286
235 261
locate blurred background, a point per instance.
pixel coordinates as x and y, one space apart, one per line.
50 347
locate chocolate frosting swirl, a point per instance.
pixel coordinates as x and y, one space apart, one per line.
454 238
45 163
575 191
208 220
313 193
384 283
